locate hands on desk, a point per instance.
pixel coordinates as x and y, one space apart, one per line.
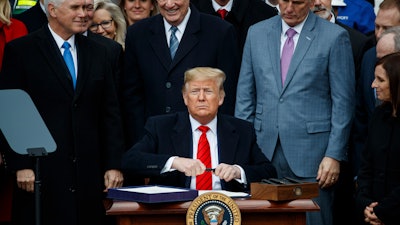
194 167
113 179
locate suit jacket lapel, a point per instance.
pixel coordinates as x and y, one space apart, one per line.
189 38
227 140
274 50
52 54
182 136
84 59
159 43
303 44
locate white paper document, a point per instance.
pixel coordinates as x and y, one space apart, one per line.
228 193
153 190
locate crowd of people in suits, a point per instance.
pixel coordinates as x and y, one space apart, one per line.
286 89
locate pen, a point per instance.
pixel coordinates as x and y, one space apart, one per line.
210 169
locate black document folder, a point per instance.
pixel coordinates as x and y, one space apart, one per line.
152 194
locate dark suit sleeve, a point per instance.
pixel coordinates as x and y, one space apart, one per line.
143 158
10 79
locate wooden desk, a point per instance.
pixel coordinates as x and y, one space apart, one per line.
253 212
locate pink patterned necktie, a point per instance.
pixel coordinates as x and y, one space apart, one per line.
287 53
204 181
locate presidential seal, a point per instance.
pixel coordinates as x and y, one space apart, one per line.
213 208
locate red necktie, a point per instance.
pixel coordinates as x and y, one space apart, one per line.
222 13
204 181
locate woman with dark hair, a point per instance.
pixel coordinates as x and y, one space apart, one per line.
378 191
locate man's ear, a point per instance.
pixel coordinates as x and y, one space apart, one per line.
221 97
184 95
51 9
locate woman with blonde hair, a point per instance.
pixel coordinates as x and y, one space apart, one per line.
10 28
135 10
109 21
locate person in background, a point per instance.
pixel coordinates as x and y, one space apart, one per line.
241 14
78 103
378 191
359 42
169 153
33 18
388 16
158 52
135 10
20 6
109 22
358 14
10 29
302 107
274 4
344 189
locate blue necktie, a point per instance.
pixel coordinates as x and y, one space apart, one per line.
173 42
69 61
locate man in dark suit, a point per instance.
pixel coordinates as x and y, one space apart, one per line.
167 153
84 120
240 13
33 18
153 78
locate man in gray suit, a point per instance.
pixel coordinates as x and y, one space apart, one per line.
303 119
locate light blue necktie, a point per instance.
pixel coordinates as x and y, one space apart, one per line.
173 42
69 61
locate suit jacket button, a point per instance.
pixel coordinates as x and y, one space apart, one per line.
168 85
167 109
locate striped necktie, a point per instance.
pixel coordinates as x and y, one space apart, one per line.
204 181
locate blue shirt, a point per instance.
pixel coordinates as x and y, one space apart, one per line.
358 14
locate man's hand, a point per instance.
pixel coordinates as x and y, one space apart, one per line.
26 180
190 167
227 172
328 172
113 179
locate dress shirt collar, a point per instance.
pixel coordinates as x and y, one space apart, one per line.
332 20
195 124
181 27
227 7
273 6
297 28
61 41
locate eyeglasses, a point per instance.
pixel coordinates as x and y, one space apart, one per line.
104 24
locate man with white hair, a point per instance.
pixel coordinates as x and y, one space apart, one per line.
70 80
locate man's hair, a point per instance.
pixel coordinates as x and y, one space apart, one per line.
396 32
205 73
391 65
54 2
387 4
